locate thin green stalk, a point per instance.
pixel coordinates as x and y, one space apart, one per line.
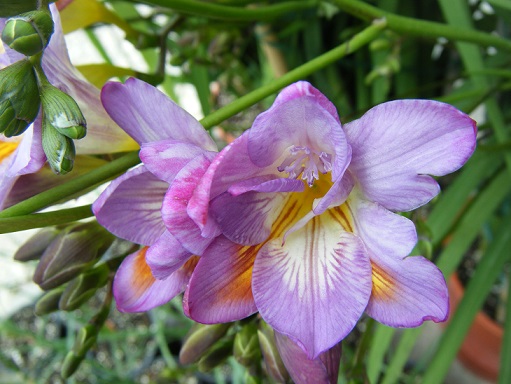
51 196
299 73
223 12
505 354
46 219
421 28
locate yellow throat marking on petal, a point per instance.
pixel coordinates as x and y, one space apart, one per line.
142 277
383 285
6 149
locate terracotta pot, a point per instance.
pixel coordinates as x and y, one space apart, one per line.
480 352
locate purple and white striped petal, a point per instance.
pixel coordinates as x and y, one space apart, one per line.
130 206
322 370
165 256
148 115
137 290
220 287
315 287
396 145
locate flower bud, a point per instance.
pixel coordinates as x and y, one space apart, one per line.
19 98
83 287
246 346
85 339
49 302
29 32
62 112
199 339
34 247
274 365
216 355
59 149
70 364
73 251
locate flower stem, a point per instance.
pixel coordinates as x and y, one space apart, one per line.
224 12
46 219
52 196
421 28
299 73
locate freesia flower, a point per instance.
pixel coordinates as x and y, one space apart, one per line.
301 212
23 155
175 151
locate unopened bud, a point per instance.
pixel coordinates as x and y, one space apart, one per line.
70 364
19 98
246 346
199 339
83 287
85 339
62 112
274 365
49 302
59 149
216 355
73 251
34 247
29 32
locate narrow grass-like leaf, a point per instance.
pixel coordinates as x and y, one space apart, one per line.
505 354
380 344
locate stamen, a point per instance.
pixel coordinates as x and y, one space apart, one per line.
307 162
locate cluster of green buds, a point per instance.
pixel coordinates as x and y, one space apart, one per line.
248 340
24 88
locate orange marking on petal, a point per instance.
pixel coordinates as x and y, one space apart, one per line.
384 286
142 276
7 148
342 215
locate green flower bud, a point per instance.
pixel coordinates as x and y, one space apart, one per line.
19 98
73 251
85 339
70 364
29 32
62 112
246 346
49 302
59 149
216 355
199 339
34 247
274 365
82 288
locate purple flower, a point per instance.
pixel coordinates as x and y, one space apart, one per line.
301 213
175 151
23 155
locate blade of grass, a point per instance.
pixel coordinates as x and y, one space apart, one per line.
505 354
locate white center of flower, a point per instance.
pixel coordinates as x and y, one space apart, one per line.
307 162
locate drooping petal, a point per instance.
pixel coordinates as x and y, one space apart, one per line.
398 143
220 288
175 203
298 117
166 158
103 134
29 157
137 290
322 370
130 206
148 115
406 290
166 255
316 286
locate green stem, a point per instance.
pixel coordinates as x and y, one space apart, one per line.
46 219
420 28
224 12
51 196
299 73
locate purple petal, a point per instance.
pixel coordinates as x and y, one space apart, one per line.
397 144
148 115
175 203
130 206
29 157
166 256
298 118
316 286
323 369
165 158
267 183
220 287
136 290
